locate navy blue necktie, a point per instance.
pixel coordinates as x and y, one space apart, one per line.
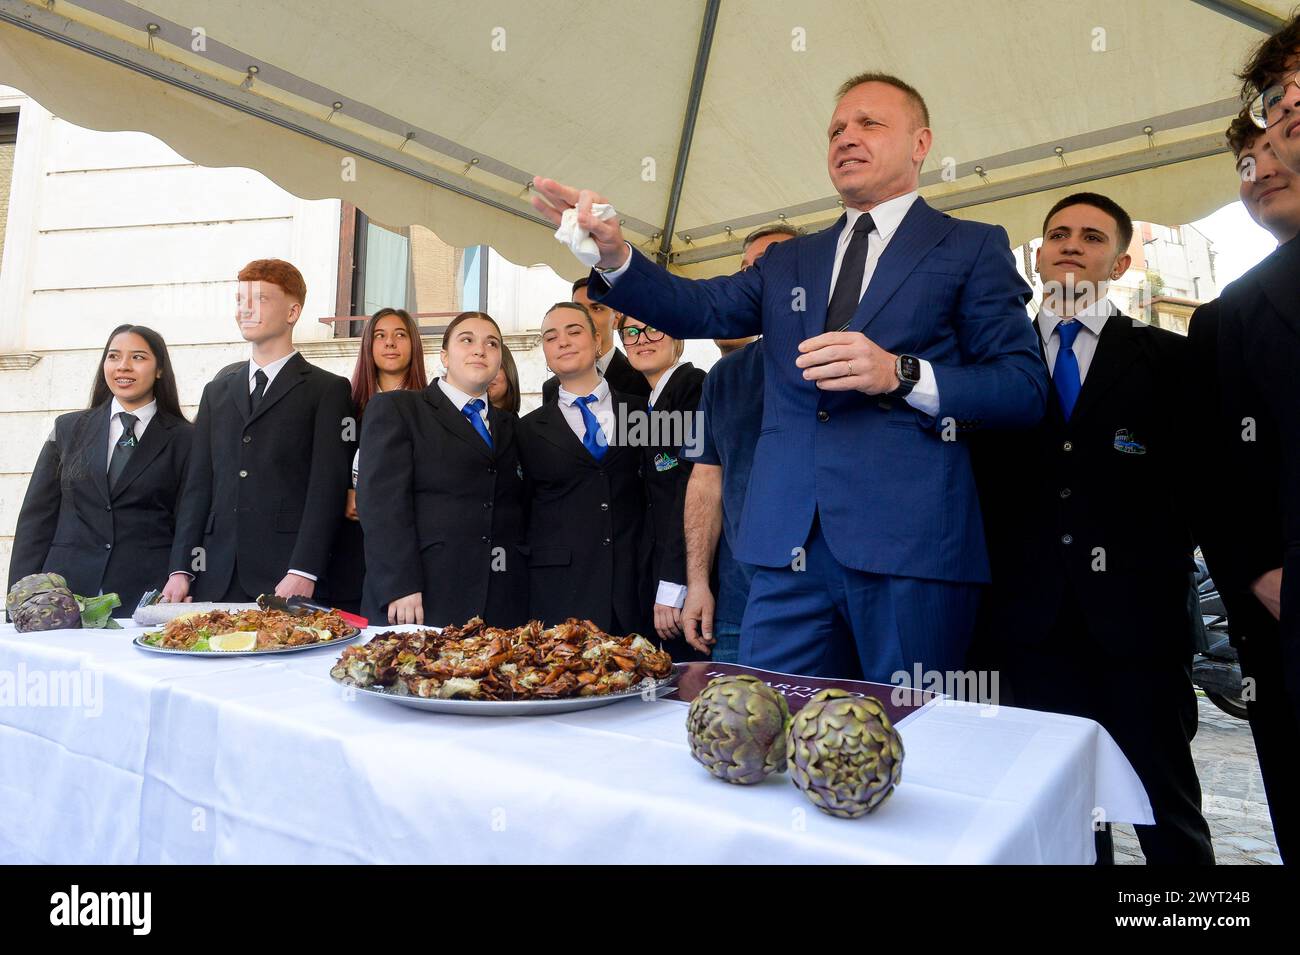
848 284
471 411
1065 373
594 439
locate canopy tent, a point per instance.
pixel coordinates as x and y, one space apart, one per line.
699 119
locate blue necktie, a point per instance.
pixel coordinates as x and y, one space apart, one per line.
1065 374
594 439
471 411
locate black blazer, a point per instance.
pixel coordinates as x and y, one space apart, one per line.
102 540
266 490
1093 511
584 530
1259 375
1233 475
666 476
622 377
443 513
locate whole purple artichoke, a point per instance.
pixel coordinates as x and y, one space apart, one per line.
33 585
736 728
54 610
845 755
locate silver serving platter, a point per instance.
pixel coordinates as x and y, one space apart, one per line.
648 690
346 638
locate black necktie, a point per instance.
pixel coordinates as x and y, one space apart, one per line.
122 450
848 286
259 390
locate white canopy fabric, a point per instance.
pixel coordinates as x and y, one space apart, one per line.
698 118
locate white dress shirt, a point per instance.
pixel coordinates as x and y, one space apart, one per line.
1093 318
669 593
602 407
270 371
460 399
143 415
886 217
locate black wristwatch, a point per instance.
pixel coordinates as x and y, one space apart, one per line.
908 370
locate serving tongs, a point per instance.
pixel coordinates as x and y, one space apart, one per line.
303 607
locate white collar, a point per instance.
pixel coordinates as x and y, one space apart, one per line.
459 398
887 216
143 415
602 363
270 370
601 391
662 382
1092 318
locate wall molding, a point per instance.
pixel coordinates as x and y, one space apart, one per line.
19 361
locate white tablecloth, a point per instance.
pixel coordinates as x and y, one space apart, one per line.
241 760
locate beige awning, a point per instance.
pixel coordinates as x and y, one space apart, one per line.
439 113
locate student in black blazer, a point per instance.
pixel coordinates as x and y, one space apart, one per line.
101 505
390 358
587 501
611 363
675 388
1088 530
272 458
441 494
1240 516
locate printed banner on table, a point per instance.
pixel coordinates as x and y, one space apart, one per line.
899 701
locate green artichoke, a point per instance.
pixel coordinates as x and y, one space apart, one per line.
736 728
54 610
844 753
33 585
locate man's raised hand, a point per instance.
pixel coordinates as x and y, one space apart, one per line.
554 197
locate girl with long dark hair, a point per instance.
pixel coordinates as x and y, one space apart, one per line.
100 507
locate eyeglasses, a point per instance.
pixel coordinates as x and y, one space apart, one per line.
1265 108
631 334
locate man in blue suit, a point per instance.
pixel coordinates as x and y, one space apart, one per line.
885 337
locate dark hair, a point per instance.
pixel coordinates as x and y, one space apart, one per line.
580 283
365 376
776 228
164 388
578 306
917 101
446 336
1269 58
1123 224
510 401
1242 133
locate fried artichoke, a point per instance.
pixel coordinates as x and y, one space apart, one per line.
845 755
736 728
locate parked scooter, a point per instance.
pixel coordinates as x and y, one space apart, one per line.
1215 667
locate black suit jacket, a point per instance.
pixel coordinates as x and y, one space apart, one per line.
443 513
103 540
1259 376
1091 513
585 521
666 476
1234 475
622 377
265 489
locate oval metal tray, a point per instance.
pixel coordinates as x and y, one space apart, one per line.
346 638
648 690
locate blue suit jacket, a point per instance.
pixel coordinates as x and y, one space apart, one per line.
895 497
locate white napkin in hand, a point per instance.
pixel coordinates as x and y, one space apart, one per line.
579 240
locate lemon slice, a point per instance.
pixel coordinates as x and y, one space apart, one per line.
240 640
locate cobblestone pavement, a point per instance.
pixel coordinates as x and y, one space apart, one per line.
1232 795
